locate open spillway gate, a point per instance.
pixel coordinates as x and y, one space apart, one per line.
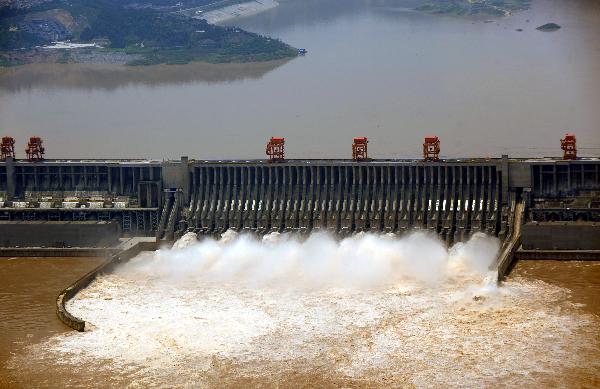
453 200
555 202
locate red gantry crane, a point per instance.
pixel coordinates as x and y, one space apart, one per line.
7 148
569 146
431 148
275 149
35 150
359 149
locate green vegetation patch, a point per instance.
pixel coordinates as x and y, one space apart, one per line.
141 27
64 57
474 7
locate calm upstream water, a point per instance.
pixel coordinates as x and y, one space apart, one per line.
373 68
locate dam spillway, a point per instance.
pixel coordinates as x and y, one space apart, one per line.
344 197
453 198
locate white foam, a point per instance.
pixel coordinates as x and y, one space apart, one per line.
365 260
366 307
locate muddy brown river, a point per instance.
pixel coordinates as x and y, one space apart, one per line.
28 291
547 314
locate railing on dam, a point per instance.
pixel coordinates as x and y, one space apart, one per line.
453 200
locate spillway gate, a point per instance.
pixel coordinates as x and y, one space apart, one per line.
453 200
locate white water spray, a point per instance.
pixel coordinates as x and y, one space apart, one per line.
369 307
320 261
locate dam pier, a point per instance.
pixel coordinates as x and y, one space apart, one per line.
92 203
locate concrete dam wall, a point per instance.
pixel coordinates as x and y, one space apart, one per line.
128 192
453 198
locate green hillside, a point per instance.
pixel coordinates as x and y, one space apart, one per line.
152 31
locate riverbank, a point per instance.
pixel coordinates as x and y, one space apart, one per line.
482 8
273 50
249 8
108 76
124 34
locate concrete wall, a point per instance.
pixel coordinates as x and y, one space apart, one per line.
561 236
452 197
176 175
519 175
127 250
119 178
449 198
54 252
58 234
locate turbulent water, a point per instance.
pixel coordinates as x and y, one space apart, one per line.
370 310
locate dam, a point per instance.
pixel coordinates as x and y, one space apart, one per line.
295 293
453 198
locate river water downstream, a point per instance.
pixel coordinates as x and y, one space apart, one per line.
28 291
373 68
284 313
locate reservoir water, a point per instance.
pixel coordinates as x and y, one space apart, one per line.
373 68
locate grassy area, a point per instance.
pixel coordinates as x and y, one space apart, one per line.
65 57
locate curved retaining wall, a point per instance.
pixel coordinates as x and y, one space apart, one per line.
128 250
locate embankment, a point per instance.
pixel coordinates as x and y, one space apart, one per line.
127 250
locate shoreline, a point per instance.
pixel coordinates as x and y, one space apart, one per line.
125 59
112 76
248 8
247 47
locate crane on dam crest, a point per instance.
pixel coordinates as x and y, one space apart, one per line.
569 146
7 148
35 151
276 149
359 149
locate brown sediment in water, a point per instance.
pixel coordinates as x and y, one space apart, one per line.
150 329
28 291
109 77
216 314
580 278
